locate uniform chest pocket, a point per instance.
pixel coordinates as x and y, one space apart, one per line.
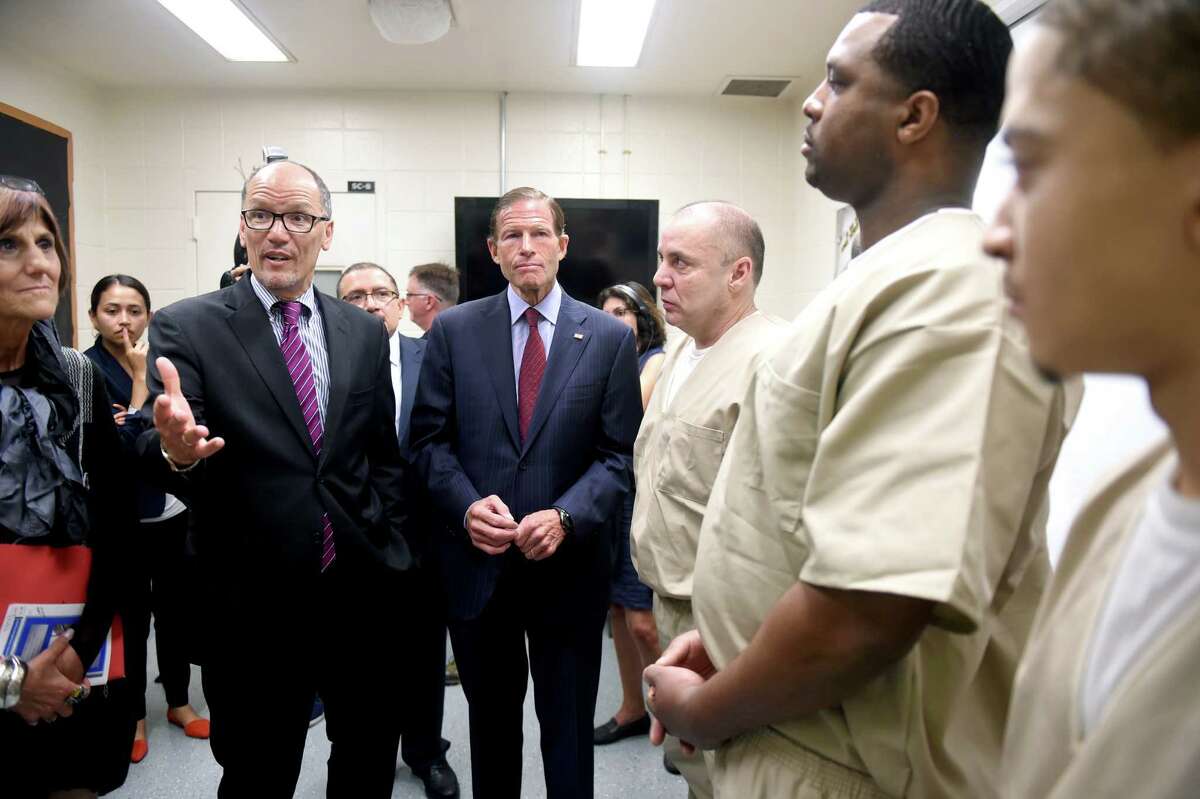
692 456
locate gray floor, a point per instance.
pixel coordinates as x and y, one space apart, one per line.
179 767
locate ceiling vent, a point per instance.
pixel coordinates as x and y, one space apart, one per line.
755 87
411 21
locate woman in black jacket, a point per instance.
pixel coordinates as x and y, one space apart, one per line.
120 313
63 492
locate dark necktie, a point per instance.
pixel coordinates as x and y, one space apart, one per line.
533 366
299 366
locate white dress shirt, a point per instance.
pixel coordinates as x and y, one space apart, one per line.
397 385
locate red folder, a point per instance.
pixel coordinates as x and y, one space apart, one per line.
44 575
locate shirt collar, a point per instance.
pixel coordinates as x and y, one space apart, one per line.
308 299
548 307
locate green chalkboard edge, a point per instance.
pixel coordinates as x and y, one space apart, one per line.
50 127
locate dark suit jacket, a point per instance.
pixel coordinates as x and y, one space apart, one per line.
257 504
412 352
578 454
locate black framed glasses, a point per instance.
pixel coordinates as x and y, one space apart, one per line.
380 296
20 184
293 221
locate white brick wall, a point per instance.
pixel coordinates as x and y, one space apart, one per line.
141 156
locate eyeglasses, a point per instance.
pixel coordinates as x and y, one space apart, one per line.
20 184
422 294
380 296
293 221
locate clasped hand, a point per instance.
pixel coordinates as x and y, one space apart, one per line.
674 680
184 440
51 678
492 529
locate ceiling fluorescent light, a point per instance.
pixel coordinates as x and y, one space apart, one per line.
228 28
612 32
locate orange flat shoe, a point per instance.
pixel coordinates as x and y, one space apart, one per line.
140 749
196 728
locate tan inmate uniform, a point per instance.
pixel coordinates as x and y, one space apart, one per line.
899 441
1146 743
676 457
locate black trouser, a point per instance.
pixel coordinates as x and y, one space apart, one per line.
158 584
260 684
564 660
422 609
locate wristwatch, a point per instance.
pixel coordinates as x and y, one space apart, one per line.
175 467
564 518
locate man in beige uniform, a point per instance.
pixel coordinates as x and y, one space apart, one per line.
874 547
711 260
1102 232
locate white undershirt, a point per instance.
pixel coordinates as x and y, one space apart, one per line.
1157 581
687 362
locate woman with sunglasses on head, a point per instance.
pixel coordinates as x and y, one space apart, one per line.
635 637
63 510
120 312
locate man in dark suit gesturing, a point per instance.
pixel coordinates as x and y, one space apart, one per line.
297 517
523 429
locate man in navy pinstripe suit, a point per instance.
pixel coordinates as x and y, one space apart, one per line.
523 428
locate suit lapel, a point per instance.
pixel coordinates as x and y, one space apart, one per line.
253 331
496 348
336 331
570 340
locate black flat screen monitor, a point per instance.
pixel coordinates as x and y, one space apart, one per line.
611 241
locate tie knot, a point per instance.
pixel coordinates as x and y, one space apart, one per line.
290 311
532 316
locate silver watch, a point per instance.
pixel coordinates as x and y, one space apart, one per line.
175 467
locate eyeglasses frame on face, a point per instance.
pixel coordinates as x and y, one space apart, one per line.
363 295
408 294
18 183
313 220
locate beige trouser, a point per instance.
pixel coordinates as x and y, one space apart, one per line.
764 765
673 617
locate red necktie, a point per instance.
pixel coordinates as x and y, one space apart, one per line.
533 365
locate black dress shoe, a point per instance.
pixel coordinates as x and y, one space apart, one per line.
439 780
611 732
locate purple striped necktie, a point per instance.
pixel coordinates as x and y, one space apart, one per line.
299 366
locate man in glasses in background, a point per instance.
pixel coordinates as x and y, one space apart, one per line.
275 421
432 288
419 599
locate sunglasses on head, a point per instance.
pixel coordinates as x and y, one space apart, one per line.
20 184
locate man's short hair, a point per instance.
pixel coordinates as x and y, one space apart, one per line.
362 266
957 49
521 194
438 279
1143 55
326 199
740 235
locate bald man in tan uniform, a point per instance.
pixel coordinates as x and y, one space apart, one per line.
711 262
1105 703
873 549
